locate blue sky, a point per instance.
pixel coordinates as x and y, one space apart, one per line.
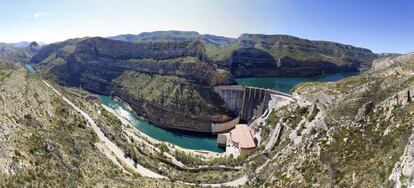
380 25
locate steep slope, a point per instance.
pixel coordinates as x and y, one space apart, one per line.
46 143
282 55
25 44
176 36
12 54
359 132
269 55
99 65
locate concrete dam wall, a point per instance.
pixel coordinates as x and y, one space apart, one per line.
247 103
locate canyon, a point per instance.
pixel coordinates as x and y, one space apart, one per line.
353 132
169 77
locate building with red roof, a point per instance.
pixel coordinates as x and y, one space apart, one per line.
243 138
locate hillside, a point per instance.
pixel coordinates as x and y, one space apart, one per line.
269 55
350 133
179 94
46 143
12 54
176 36
359 132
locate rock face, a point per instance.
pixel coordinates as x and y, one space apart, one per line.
171 101
12 54
282 55
393 60
175 36
95 63
253 62
270 55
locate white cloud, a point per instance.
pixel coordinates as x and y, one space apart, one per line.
39 14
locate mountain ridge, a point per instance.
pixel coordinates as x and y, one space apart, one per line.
277 48
179 83
100 65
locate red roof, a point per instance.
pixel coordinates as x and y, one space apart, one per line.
242 135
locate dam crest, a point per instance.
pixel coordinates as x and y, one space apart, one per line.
247 103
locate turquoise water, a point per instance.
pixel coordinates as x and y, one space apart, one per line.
29 67
285 84
205 142
198 142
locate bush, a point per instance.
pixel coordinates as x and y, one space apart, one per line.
163 147
315 112
188 159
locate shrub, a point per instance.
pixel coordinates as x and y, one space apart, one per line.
163 147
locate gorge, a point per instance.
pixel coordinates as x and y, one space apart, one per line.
159 107
206 94
200 141
142 73
160 75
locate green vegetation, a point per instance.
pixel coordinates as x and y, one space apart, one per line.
188 158
229 160
163 148
367 129
292 115
368 152
51 144
307 50
4 70
220 49
171 92
180 60
315 111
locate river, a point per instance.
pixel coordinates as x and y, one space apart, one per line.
185 140
29 67
207 142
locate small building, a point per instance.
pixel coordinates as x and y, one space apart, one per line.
222 140
243 138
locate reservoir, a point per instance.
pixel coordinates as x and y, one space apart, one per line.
285 84
207 142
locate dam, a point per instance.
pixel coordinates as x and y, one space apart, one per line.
247 103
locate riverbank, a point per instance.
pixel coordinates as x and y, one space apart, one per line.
192 141
150 142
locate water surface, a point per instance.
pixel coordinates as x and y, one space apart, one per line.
207 142
285 84
196 142
29 67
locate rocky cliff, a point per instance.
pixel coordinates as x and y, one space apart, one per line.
270 55
253 62
12 54
171 101
98 65
94 63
